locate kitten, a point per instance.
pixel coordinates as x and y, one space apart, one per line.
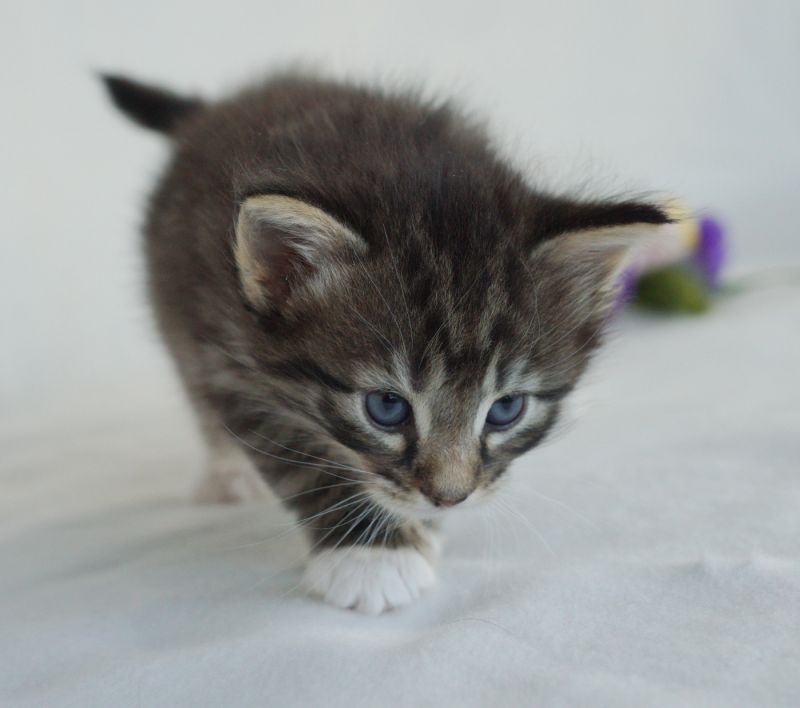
370 308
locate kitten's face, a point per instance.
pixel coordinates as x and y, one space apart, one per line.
436 395
434 372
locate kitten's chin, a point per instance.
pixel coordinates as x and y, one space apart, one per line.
419 507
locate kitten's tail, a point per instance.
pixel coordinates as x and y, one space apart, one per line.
151 107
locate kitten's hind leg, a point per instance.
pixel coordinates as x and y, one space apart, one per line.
230 476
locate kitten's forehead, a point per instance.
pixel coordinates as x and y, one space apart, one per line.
425 326
456 318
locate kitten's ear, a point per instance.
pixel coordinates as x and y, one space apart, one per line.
287 249
587 246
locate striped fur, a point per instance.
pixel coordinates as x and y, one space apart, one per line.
391 250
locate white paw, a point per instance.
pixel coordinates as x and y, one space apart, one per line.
369 580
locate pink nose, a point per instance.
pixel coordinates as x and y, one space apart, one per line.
443 501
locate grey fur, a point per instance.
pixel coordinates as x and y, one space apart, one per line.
465 278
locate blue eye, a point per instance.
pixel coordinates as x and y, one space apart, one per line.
505 410
387 409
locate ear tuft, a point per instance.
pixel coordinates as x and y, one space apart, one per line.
286 248
556 216
153 108
587 246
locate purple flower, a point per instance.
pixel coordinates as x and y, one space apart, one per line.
711 249
626 289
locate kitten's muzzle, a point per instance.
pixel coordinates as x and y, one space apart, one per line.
444 492
447 476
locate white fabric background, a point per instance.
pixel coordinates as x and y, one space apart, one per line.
667 571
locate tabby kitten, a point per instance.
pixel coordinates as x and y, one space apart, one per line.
371 311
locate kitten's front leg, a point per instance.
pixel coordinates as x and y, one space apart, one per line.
362 559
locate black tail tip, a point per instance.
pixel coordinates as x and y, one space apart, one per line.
149 106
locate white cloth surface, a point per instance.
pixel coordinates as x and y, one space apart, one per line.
652 556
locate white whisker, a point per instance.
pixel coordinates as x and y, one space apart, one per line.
527 523
333 463
323 467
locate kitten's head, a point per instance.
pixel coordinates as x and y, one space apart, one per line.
439 348
406 295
